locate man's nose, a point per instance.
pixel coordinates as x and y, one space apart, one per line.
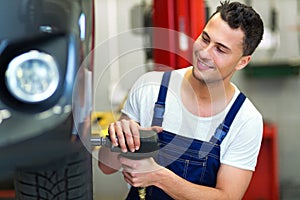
206 52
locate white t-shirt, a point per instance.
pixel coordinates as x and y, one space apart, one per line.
240 147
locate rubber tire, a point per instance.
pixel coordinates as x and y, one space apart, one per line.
72 180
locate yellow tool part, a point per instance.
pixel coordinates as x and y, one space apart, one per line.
101 120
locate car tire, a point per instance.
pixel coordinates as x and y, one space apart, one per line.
70 180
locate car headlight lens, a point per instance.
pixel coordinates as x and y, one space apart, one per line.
32 76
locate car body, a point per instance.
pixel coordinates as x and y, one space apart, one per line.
45 59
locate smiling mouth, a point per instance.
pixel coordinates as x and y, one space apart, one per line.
203 66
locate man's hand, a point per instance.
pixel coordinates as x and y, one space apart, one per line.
125 133
139 173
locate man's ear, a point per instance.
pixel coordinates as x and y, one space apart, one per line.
243 62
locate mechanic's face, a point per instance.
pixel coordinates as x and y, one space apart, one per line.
218 51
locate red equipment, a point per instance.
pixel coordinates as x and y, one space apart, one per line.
183 21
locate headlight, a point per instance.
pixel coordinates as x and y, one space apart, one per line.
32 76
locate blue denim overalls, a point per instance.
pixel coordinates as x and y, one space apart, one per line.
194 160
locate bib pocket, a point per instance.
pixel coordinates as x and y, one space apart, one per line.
192 169
194 160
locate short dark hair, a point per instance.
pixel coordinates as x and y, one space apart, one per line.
239 15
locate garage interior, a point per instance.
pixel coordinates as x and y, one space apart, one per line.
272 82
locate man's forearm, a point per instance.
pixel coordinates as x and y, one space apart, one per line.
108 161
179 188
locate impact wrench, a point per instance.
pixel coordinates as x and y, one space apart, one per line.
148 148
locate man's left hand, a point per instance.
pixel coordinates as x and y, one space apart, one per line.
139 173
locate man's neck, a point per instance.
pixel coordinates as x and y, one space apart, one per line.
205 99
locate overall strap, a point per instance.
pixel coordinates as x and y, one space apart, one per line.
159 107
224 127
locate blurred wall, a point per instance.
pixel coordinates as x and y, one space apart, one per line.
119 54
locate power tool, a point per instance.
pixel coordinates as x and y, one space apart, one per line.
149 147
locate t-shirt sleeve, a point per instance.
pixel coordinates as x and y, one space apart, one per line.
131 105
243 150
141 98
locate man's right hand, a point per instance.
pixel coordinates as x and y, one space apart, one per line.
125 134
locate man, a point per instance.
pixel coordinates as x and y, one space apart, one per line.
195 161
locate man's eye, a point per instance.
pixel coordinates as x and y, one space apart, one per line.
206 40
220 50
